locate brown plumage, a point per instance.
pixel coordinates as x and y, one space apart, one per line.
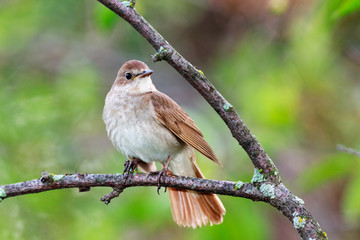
194 209
173 117
146 124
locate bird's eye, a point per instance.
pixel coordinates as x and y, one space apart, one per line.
128 75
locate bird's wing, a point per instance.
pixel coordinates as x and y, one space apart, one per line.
173 117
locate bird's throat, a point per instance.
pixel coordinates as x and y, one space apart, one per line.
142 85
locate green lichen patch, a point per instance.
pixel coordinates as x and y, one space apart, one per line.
268 190
161 54
162 50
270 163
228 107
127 3
322 234
299 200
57 178
299 222
2 193
201 72
238 185
257 177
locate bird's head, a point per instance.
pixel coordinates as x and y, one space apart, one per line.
135 75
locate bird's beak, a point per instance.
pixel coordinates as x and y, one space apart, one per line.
145 73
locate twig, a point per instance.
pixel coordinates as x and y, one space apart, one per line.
348 150
115 193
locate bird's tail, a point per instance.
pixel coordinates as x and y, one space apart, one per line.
190 208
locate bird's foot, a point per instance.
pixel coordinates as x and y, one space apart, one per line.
130 166
162 174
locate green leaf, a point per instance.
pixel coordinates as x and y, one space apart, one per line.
333 167
346 7
351 203
105 19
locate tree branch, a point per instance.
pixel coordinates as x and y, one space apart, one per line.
49 182
276 195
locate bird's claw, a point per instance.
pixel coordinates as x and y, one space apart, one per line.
161 174
130 166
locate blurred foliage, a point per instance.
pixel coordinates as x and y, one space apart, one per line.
297 92
344 8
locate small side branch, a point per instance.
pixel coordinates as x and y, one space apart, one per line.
115 193
348 150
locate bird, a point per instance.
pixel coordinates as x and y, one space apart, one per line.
147 126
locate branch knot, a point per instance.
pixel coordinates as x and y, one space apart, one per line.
161 54
47 178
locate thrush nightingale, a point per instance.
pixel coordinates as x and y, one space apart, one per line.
148 126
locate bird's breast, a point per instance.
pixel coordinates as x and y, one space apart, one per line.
132 128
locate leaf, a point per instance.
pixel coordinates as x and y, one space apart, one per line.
105 19
346 7
351 203
333 167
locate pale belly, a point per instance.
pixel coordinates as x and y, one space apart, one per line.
136 134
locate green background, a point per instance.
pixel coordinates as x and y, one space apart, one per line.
291 70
